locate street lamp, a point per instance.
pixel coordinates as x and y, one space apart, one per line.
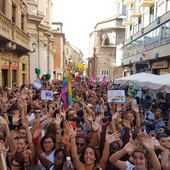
33 47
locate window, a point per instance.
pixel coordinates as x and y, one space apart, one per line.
161 8
23 67
146 18
151 14
13 14
107 41
104 72
22 22
2 6
168 5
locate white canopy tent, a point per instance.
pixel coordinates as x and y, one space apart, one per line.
161 83
135 78
147 80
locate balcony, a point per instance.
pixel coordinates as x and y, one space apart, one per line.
147 3
21 39
11 33
5 28
135 12
127 21
128 2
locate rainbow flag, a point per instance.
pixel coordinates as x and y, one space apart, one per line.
87 79
66 91
104 81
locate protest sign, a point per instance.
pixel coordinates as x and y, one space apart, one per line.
47 95
118 95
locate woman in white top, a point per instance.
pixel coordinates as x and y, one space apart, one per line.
140 156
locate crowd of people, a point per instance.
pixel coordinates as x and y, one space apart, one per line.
96 134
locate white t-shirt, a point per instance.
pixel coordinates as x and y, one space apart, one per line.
129 166
49 157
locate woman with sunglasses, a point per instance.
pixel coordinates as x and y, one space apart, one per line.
90 157
81 144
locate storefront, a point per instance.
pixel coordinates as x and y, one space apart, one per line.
160 67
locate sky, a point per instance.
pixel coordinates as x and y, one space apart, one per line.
79 18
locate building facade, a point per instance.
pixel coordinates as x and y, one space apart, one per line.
59 56
73 56
146 47
14 43
104 40
40 31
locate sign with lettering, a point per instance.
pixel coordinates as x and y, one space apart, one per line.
47 95
117 95
160 64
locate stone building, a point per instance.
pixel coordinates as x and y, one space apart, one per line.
104 40
40 31
73 56
14 43
59 56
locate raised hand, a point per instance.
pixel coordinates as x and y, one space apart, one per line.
147 141
69 129
58 119
66 139
16 117
115 116
156 143
110 138
26 155
25 121
135 108
63 114
37 131
126 122
96 124
131 146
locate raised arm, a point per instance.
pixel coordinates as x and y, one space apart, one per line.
149 145
74 155
36 141
108 140
135 108
129 148
57 121
29 135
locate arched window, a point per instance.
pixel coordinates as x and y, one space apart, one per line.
107 41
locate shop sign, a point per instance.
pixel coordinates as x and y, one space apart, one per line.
160 64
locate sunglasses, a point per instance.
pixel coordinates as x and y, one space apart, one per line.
80 144
37 112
